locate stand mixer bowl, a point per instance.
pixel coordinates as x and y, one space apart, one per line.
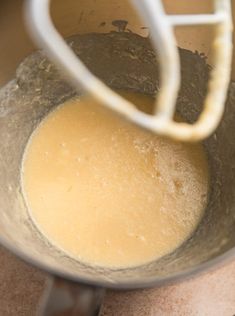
37 87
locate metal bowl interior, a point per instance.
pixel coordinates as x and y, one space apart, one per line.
37 87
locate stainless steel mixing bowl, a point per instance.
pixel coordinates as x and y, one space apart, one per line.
36 87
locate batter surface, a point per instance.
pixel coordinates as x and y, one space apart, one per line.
107 192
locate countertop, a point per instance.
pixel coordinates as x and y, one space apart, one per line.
211 294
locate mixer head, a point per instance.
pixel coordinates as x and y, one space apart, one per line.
161 28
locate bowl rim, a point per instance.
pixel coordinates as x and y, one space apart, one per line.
148 282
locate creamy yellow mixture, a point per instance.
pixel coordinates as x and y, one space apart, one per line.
108 192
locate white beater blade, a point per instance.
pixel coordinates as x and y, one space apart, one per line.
161 27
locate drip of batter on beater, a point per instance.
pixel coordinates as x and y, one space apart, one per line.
107 192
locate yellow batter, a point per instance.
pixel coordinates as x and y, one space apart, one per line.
107 192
